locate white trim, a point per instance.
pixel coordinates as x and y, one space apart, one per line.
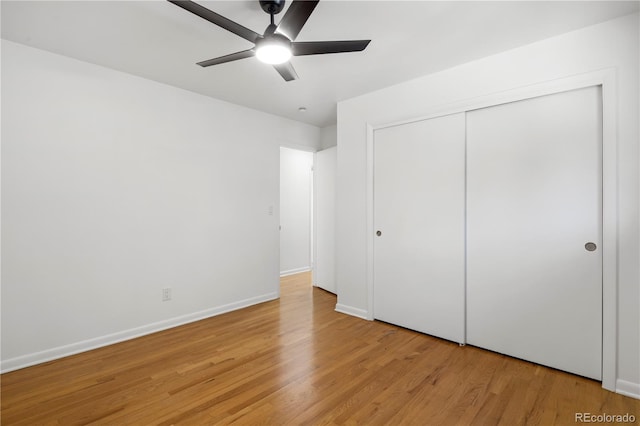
610 203
110 339
579 81
350 310
466 234
295 271
628 388
370 220
314 217
606 78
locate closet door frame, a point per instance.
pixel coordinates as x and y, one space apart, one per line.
606 79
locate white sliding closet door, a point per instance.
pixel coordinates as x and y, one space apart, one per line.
419 213
534 288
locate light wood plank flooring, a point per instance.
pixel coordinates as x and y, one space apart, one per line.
297 361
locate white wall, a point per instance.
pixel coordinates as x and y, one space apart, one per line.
295 210
611 44
328 136
114 187
324 274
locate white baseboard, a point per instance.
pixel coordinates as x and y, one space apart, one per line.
350 310
110 339
628 388
294 271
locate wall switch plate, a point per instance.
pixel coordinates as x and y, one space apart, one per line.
166 294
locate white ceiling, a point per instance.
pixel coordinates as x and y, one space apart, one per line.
160 41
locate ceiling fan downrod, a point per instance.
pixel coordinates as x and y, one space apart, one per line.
272 7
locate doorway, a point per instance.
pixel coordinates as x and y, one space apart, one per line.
296 211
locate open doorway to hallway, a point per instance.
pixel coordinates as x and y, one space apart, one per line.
296 211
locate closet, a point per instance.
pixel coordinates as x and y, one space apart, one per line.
488 228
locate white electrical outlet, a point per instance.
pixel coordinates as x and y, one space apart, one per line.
166 294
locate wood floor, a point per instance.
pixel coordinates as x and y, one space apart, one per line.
297 361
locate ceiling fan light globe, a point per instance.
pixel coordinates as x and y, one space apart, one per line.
273 53
274 49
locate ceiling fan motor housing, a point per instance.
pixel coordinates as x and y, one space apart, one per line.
272 7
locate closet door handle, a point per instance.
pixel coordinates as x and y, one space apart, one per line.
590 246
378 233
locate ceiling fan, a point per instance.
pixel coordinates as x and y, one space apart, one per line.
277 45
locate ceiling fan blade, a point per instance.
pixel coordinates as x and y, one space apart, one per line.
295 17
321 47
219 20
286 71
228 58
